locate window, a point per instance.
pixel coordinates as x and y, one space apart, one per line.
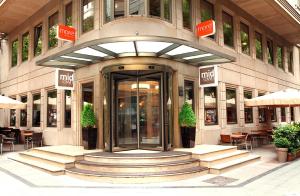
14 53
88 93
248 111
36 110
262 115
189 93
23 113
160 8
280 57
273 114
187 13
87 15
283 116
68 14
25 46
210 106
68 108
114 9
231 106
38 32
290 61
258 46
12 118
228 29
52 28
270 52
51 108
136 7
244 30
292 113
207 12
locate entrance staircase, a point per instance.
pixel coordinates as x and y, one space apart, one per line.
139 167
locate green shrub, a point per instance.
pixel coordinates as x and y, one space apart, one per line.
88 118
291 132
282 142
187 116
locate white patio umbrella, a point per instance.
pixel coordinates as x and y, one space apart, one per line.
8 103
287 97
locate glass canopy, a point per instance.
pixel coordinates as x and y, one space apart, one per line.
100 50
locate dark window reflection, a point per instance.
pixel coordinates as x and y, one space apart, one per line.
189 93
231 106
248 111
210 106
67 108
36 110
23 113
88 93
52 109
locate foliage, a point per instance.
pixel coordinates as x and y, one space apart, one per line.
14 55
88 24
25 46
88 118
282 142
52 42
186 13
187 116
228 34
291 132
258 46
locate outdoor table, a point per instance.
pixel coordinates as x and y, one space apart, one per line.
237 137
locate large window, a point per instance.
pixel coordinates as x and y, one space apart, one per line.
187 13
25 46
13 115
258 46
88 93
283 115
114 9
137 7
262 115
273 114
248 111
36 110
292 113
68 14
23 113
245 43
160 8
87 15
231 106
228 29
51 109
270 51
14 53
68 108
207 12
52 28
189 93
210 106
290 61
280 57
38 32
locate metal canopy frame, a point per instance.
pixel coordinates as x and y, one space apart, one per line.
96 51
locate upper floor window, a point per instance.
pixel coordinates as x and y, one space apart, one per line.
52 28
245 43
290 61
114 9
231 109
38 32
68 14
161 8
228 29
187 13
270 51
87 15
14 53
258 46
280 57
137 7
207 12
25 46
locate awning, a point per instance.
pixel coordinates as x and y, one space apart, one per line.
8 103
104 49
284 98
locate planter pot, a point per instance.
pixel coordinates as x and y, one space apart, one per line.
188 136
89 138
291 157
282 154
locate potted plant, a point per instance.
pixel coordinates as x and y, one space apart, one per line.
89 132
282 144
187 121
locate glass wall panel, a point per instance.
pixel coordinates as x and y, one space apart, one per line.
210 106
228 29
119 9
187 13
68 14
248 111
14 53
258 46
52 30
51 109
36 110
273 114
270 51
25 46
87 15
280 57
231 106
207 12
38 33
155 8
136 7
189 93
167 9
245 43
23 113
262 112
68 116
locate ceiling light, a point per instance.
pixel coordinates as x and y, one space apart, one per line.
119 47
181 50
76 58
151 47
91 52
198 56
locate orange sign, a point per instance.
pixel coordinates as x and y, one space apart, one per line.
206 28
66 33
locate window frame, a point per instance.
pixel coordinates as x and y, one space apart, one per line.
26 34
216 109
236 106
243 24
233 29
212 6
48 30
33 95
66 6
47 121
12 53
269 52
190 15
35 54
82 17
261 44
282 57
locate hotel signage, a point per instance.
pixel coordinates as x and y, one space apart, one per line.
64 79
206 28
208 76
66 33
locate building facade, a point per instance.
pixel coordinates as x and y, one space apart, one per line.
137 62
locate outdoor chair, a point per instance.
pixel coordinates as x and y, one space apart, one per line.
37 138
6 141
245 142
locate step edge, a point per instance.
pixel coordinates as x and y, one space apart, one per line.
230 165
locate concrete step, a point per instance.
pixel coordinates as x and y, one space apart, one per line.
123 158
222 158
224 167
37 164
58 161
137 167
213 152
137 177
59 155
